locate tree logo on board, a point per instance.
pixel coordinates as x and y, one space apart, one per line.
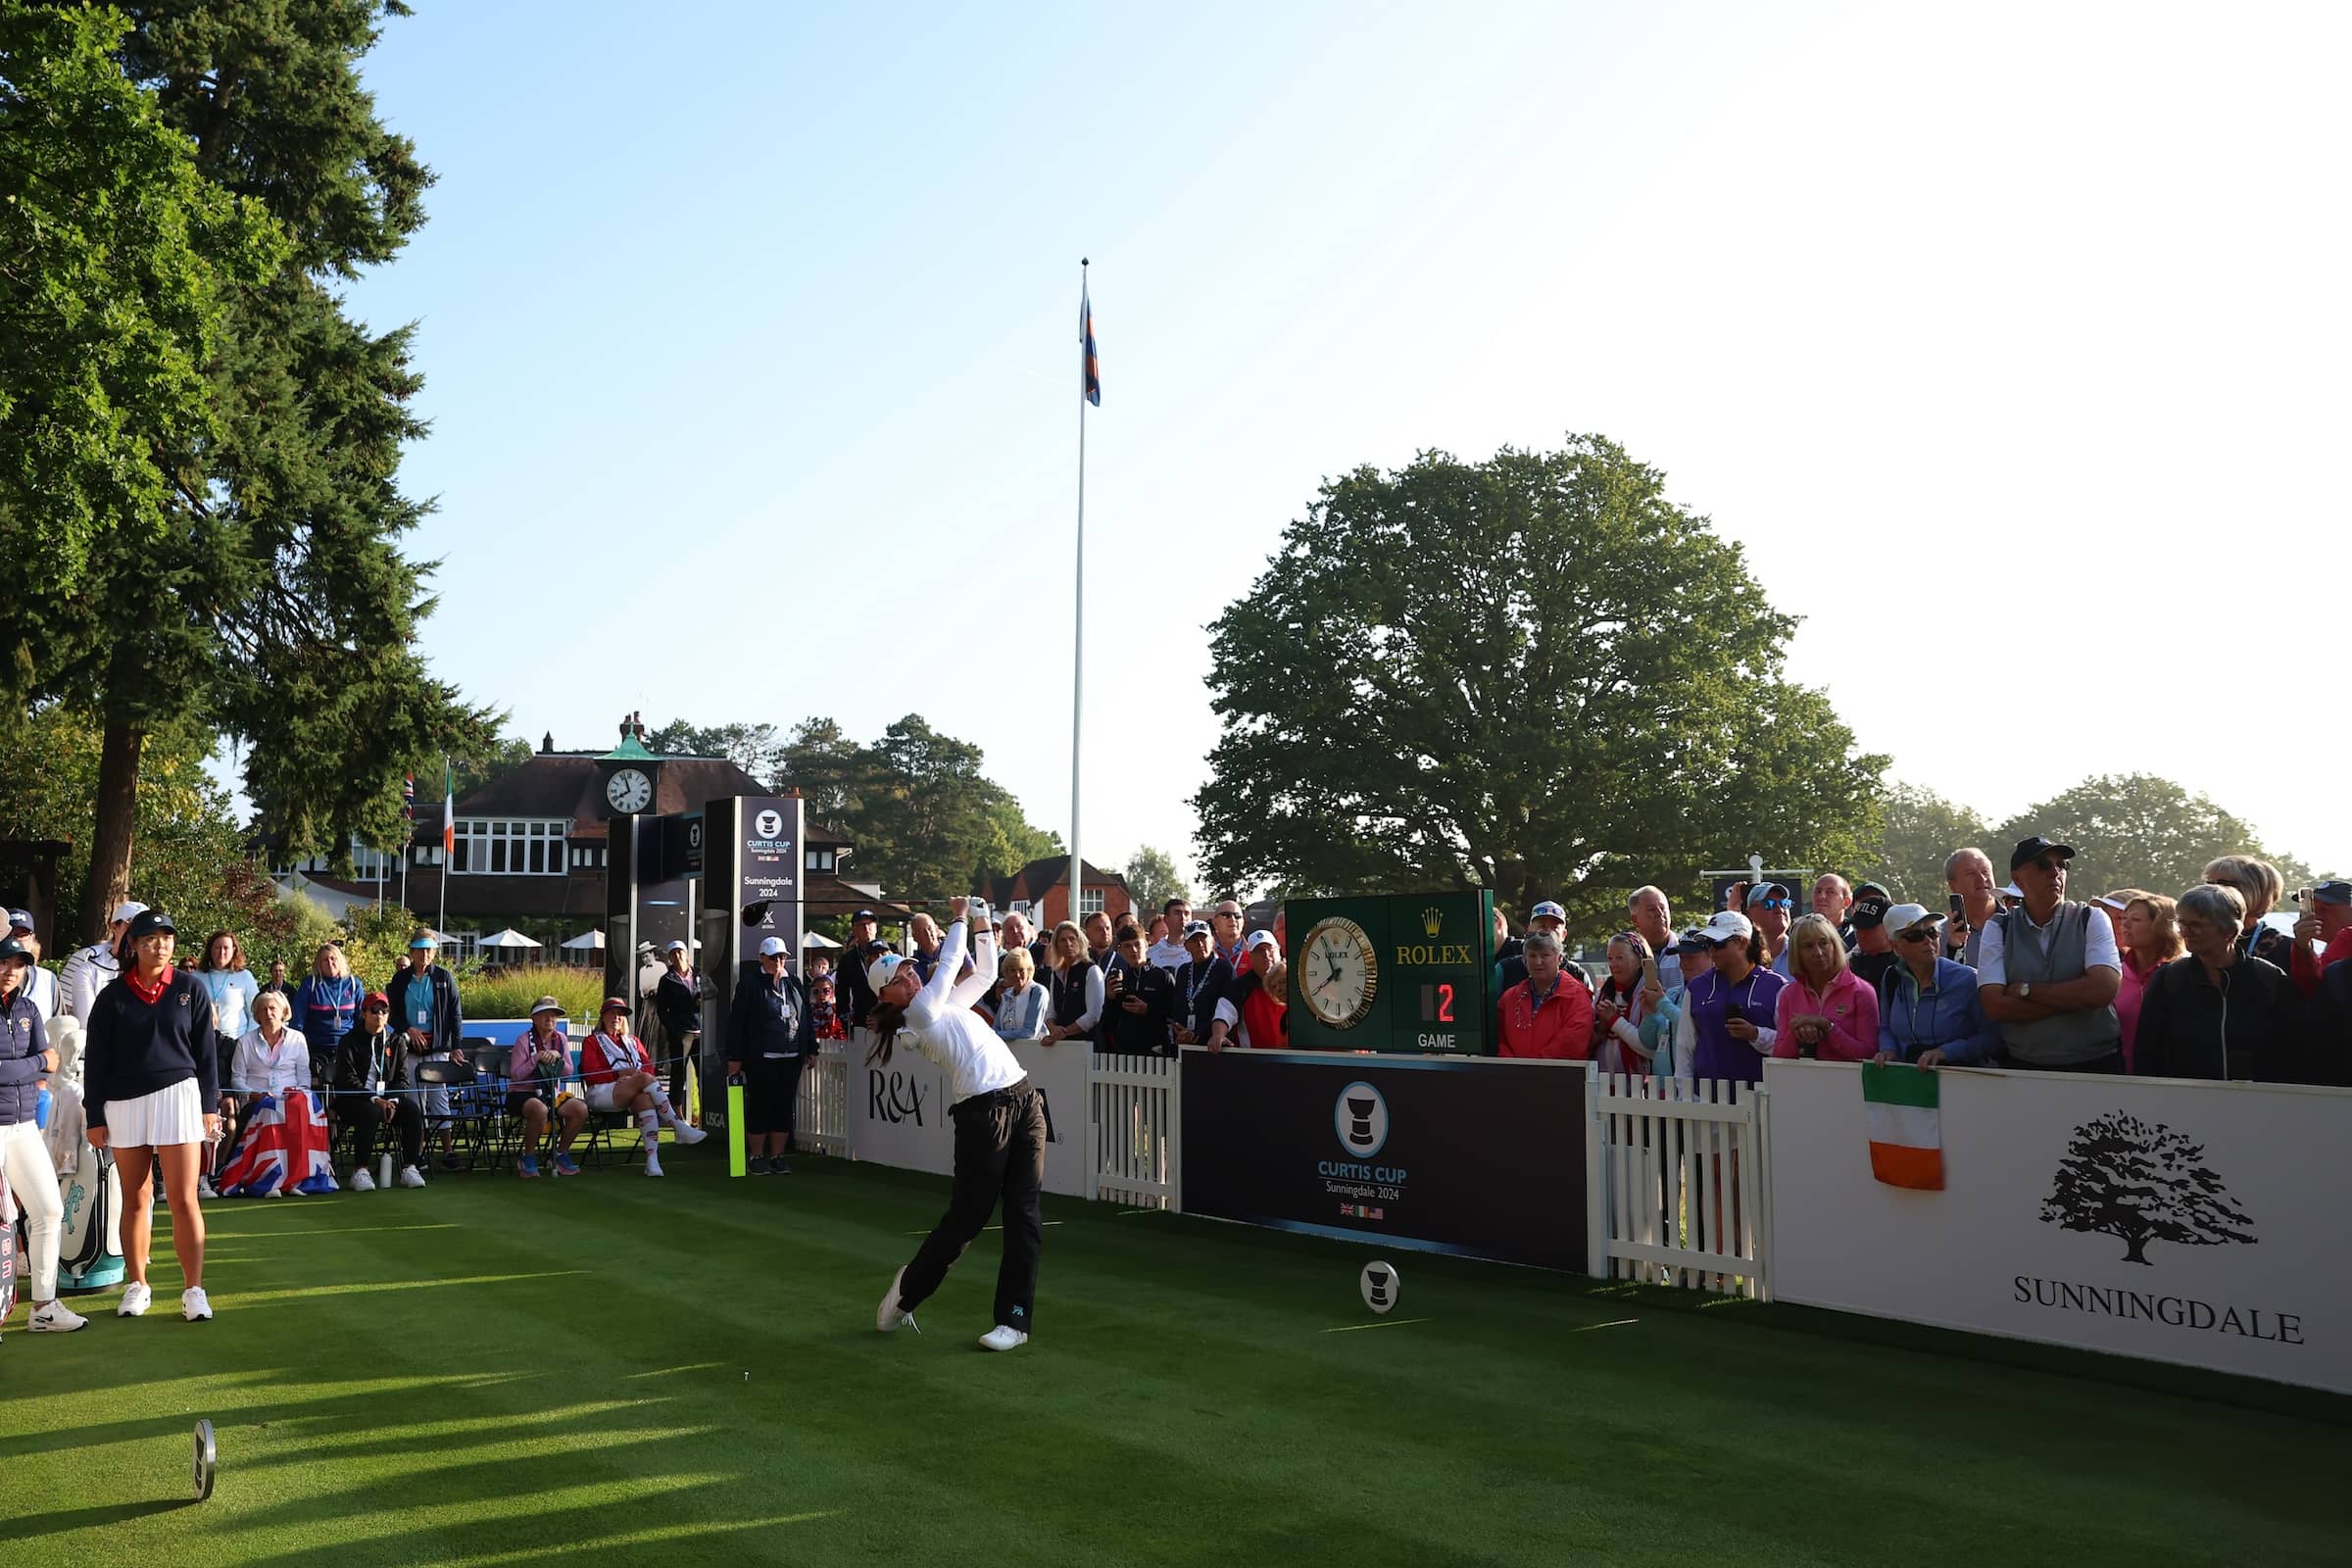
2142 1182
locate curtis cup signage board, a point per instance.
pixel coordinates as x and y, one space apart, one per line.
1404 972
1481 1158
2199 1223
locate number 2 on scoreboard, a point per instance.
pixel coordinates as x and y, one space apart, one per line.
1444 1004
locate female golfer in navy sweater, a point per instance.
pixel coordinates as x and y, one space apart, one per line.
1000 1126
153 1093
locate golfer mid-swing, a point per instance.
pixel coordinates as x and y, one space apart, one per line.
999 1120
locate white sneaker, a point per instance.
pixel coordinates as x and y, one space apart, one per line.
55 1318
887 1317
277 1192
361 1181
409 1178
196 1309
203 1187
136 1297
1001 1338
652 1166
688 1136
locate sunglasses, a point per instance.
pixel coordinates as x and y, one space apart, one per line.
2046 864
1918 933
1773 904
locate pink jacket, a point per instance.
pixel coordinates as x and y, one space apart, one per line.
523 1062
1852 1007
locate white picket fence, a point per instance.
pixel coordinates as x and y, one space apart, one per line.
1134 1133
1676 1183
823 1121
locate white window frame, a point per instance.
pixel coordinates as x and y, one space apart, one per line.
512 846
1090 901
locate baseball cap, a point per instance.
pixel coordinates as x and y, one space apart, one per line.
866 914
1549 911
1196 928
1260 938
2335 891
1903 916
1878 888
19 920
2012 891
1869 911
129 910
2028 850
1728 926
2108 901
546 1004
879 972
771 946
1769 889
149 921
1694 939
376 999
675 946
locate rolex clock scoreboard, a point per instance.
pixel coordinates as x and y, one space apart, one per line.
1399 972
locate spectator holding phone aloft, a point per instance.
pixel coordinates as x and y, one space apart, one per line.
2323 933
1975 900
1693 958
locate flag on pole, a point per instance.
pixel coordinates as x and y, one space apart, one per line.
408 801
448 811
1089 372
1904 1106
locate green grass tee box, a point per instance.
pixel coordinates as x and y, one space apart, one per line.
686 1370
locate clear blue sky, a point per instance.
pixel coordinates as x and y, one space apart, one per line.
750 341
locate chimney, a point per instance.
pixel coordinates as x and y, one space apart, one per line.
547 743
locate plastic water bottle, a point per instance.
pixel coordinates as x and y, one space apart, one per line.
40 1110
383 1169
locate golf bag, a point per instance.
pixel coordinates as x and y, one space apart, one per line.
89 1244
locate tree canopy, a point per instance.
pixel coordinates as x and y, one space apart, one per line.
2137 830
1152 880
1535 674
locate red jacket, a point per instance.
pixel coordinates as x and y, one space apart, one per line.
1560 1029
604 1059
2307 967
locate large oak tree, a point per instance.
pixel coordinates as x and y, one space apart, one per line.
1535 674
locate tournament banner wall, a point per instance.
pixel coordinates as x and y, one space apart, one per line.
2204 1224
899 1114
1474 1155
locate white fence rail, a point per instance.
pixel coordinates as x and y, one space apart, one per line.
1132 1134
823 1122
1678 1176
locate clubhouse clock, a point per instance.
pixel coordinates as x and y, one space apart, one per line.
1337 973
629 790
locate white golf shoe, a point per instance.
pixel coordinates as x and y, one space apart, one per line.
688 1136
136 1299
888 1316
193 1306
409 1176
55 1317
1001 1338
361 1181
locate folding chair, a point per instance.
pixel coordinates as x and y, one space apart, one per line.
467 1125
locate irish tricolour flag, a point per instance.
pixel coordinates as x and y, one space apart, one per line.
1906 1125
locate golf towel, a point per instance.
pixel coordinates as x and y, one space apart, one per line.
1906 1125
284 1145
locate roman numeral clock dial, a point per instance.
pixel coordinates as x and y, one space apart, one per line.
1337 973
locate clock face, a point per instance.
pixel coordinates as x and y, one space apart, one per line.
629 790
1336 974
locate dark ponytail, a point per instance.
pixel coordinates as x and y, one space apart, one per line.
885 1021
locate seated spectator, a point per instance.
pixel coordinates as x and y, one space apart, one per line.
1167 937
1548 1015
2220 1012
2259 884
1137 1000
2323 934
372 1088
1024 1009
1253 1013
1929 1015
266 1100
1199 985
2146 939
1968 875
1076 984
1870 954
1649 913
1825 1011
1770 908
620 1074
1624 999
1728 1024
535 1070
1693 958
825 1013
2049 971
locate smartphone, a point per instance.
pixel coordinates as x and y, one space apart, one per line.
1958 908
1649 972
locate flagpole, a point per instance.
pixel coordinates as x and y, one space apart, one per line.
1078 651
447 825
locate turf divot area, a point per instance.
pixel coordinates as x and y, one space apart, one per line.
490 1371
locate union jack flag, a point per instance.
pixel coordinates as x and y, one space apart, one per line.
1090 366
284 1145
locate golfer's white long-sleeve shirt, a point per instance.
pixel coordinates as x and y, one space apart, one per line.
942 1025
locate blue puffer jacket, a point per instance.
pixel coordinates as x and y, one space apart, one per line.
23 1042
